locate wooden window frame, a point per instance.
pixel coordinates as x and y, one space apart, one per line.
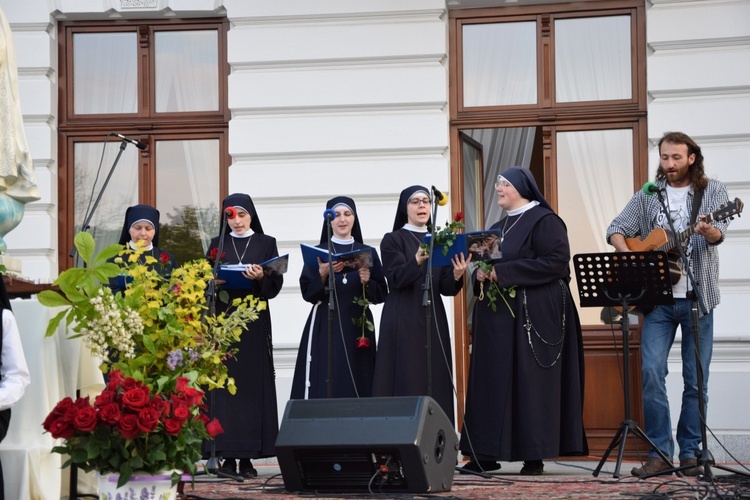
551 117
146 125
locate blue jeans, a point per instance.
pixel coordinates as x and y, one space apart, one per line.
659 328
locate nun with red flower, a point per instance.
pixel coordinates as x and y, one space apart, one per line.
141 230
356 286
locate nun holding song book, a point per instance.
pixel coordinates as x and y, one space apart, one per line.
250 417
352 341
402 367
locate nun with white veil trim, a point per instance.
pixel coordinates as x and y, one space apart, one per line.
250 417
353 344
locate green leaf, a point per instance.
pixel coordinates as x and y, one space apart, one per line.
50 298
126 471
85 245
106 254
54 323
106 271
148 343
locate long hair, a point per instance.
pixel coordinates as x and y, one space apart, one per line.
697 176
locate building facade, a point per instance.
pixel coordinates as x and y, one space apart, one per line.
317 99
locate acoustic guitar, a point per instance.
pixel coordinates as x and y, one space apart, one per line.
662 240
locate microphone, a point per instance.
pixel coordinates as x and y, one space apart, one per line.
230 212
329 214
651 188
138 144
441 198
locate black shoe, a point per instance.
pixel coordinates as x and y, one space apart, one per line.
248 472
479 467
532 468
228 470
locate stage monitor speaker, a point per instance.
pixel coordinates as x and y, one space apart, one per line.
399 444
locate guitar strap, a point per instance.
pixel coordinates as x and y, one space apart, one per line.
697 198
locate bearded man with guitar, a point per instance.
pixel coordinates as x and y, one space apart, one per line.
698 209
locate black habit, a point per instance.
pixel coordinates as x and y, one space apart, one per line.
401 365
250 417
312 358
523 402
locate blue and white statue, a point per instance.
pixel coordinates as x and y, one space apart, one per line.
17 179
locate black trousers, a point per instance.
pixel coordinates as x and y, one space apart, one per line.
4 422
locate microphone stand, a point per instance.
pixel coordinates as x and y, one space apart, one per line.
427 300
331 307
704 457
212 465
90 214
73 252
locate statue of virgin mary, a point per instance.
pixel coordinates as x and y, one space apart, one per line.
17 179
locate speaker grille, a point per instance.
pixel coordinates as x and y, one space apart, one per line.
350 470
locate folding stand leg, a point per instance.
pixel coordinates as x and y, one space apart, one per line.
627 425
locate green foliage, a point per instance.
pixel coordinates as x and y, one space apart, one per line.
156 334
493 291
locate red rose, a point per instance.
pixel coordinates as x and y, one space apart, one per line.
115 379
160 405
129 426
182 413
363 343
164 258
177 288
202 417
173 426
214 428
459 217
136 398
181 385
193 396
86 419
61 429
148 419
110 413
131 383
57 413
105 398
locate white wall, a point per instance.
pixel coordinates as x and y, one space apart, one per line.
699 82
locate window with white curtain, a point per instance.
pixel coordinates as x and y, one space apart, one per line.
593 59
160 82
558 88
499 64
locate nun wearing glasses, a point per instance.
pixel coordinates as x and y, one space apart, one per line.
401 367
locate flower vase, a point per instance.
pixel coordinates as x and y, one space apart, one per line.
140 485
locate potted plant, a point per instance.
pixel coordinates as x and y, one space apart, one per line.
161 350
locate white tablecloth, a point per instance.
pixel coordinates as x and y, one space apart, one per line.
58 367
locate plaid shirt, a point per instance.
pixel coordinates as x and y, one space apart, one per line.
639 218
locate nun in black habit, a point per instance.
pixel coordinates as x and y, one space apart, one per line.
142 225
401 367
525 389
250 417
353 349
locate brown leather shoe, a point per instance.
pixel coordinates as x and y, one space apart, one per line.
652 466
693 470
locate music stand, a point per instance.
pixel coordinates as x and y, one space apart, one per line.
624 279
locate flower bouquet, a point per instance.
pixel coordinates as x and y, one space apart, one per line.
160 349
